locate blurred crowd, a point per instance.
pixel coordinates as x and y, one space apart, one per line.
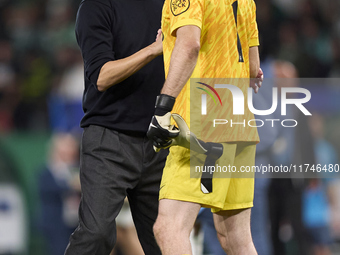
303 32
41 86
40 65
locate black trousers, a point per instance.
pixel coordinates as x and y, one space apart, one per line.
112 166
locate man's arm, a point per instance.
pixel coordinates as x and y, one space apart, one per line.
183 59
254 61
116 71
255 71
182 64
95 39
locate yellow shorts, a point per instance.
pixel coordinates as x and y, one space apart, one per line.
182 180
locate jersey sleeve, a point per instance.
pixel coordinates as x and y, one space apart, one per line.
253 35
185 12
94 37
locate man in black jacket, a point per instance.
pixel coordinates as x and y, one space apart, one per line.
123 75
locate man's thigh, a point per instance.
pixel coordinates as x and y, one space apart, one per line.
233 231
176 214
234 224
232 219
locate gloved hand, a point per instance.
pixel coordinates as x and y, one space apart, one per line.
186 138
160 131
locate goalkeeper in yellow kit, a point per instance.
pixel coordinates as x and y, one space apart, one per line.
205 39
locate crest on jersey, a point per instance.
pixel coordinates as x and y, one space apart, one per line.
179 6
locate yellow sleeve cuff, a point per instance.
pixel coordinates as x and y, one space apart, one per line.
254 42
185 22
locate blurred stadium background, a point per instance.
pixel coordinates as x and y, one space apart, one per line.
41 81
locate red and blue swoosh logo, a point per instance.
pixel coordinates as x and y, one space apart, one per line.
209 93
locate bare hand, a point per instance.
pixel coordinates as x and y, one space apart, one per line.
158 45
256 83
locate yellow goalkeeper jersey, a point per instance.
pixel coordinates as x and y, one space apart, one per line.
228 30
